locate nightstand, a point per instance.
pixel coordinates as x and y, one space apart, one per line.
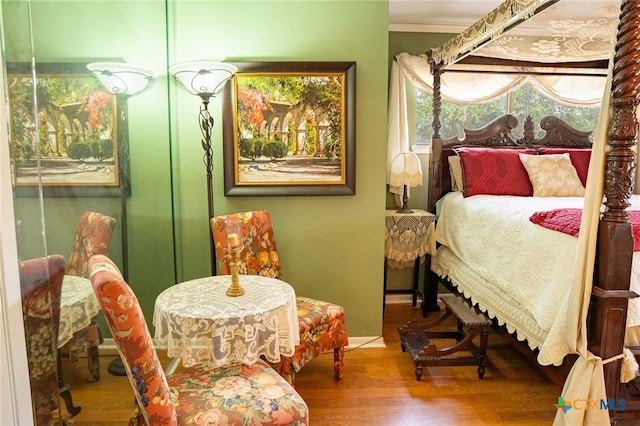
408 239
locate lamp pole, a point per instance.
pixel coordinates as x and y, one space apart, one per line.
206 124
123 176
123 81
205 79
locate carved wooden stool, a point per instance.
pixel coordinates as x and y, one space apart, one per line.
416 336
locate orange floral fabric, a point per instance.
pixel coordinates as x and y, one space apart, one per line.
93 236
322 324
259 253
41 281
236 395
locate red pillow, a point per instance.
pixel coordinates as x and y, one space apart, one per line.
579 158
494 171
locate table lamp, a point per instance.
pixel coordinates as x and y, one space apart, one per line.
406 172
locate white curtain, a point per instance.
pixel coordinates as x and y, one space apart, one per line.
398 127
586 379
467 87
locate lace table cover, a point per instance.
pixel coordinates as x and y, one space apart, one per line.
198 323
407 237
78 305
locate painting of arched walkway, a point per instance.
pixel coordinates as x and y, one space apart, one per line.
292 128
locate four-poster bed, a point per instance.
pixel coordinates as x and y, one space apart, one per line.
607 291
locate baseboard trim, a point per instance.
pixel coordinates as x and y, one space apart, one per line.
398 298
365 342
108 347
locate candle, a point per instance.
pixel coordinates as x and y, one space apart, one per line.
233 241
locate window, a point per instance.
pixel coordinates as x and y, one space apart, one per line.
525 100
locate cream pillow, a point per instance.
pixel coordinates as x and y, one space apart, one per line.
455 170
552 175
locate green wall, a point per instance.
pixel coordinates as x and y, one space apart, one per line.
331 246
414 43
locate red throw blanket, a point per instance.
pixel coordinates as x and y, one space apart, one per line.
568 221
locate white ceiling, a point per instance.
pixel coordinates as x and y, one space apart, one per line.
439 16
454 16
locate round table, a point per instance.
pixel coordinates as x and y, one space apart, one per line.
78 307
198 323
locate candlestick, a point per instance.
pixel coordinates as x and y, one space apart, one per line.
235 289
234 242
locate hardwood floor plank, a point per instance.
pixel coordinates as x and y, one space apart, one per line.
379 388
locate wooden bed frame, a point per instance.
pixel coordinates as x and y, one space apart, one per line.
610 293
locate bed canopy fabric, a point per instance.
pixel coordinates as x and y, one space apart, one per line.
538 31
584 58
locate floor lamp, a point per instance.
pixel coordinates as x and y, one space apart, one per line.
205 79
123 81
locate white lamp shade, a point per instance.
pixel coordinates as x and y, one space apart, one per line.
122 79
205 79
405 170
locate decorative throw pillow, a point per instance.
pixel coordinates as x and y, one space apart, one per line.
455 170
494 171
580 158
552 175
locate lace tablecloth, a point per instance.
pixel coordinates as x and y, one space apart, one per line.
78 306
198 323
407 237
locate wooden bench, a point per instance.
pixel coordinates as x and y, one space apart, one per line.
416 335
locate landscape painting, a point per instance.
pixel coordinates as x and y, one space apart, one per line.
289 129
70 143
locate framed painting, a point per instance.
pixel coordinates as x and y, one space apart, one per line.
289 129
71 144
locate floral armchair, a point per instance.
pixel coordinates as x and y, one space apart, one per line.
41 281
93 236
322 324
199 395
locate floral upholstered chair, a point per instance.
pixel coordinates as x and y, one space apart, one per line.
41 281
322 324
199 395
93 236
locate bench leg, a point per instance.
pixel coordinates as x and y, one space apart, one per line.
418 371
482 358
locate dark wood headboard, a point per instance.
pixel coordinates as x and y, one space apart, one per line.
499 134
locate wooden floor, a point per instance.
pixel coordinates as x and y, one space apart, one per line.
379 388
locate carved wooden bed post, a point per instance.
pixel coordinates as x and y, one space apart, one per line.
430 301
435 173
608 310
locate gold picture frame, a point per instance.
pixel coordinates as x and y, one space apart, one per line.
289 129
75 151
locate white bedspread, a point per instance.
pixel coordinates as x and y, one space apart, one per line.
516 271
